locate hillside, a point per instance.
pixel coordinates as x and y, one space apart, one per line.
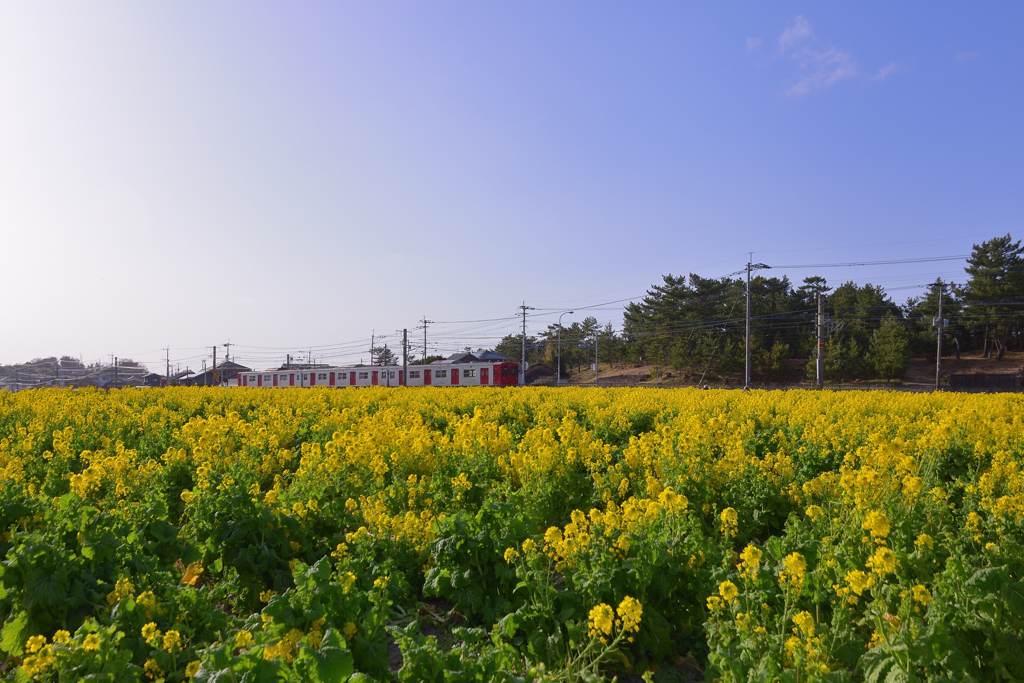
921 374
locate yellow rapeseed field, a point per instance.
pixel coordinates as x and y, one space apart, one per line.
522 534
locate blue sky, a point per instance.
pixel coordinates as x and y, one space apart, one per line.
289 176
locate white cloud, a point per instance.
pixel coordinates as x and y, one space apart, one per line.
753 44
885 72
800 31
820 65
967 56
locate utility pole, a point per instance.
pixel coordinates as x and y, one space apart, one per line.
373 336
227 351
425 323
747 380
820 361
522 367
115 369
213 373
597 337
168 375
558 375
405 357
939 323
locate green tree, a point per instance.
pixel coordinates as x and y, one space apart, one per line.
920 314
844 359
511 346
889 350
994 295
860 310
382 355
770 364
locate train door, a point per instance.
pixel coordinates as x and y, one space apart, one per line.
484 379
259 380
374 380
291 379
275 379
455 376
312 379
426 377
331 378
351 379
401 378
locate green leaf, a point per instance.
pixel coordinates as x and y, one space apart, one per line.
875 664
988 579
13 636
1011 653
331 664
1013 596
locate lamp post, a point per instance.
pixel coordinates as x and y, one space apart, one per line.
558 381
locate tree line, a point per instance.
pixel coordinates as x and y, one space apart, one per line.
696 325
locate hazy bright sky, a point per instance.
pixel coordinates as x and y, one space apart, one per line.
295 175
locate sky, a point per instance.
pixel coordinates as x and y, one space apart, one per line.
296 177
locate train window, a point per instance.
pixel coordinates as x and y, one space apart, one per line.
252 378
323 375
469 372
305 376
441 373
414 374
364 375
342 375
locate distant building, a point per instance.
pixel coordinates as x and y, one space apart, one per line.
463 357
226 371
538 371
491 357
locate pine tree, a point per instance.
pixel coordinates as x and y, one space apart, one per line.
889 350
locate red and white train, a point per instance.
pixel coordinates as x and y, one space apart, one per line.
479 374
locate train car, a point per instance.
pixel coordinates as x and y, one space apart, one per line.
477 374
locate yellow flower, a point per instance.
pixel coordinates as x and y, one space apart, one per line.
751 557
62 637
883 561
805 622
192 668
529 546
172 641
859 581
35 643
814 512
91 642
349 631
153 669
266 595
714 603
794 568
243 639
877 523
730 521
728 591
924 541
922 595
629 612
743 621
601 619
510 555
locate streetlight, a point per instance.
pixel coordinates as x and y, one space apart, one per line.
558 381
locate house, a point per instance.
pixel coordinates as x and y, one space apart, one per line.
538 372
225 372
463 357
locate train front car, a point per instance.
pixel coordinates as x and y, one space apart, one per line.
506 374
